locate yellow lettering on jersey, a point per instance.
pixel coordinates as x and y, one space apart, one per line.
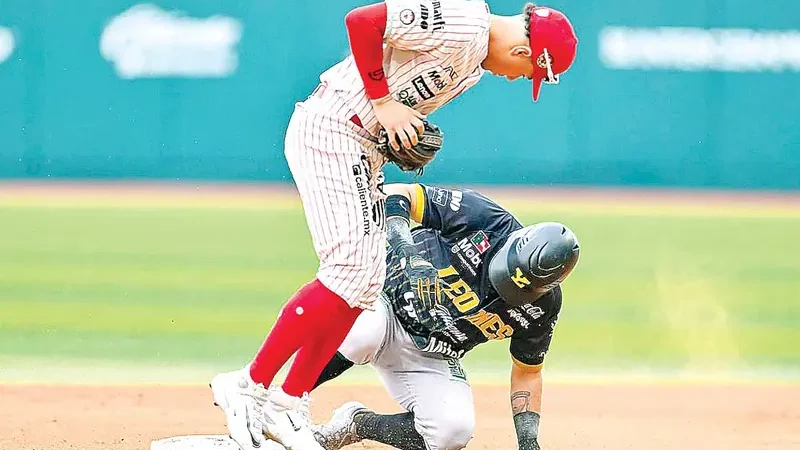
505 332
519 279
458 291
491 325
446 272
466 301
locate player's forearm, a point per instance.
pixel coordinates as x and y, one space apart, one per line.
526 405
526 389
365 28
398 231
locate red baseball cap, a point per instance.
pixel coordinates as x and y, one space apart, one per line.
553 46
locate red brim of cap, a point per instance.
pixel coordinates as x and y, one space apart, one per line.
537 86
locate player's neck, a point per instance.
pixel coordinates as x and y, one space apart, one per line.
491 52
500 32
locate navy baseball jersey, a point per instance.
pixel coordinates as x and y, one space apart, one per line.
461 231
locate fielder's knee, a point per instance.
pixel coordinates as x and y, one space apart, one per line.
452 432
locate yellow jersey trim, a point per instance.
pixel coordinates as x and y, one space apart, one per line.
418 211
527 367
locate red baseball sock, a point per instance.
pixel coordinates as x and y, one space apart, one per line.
313 357
314 321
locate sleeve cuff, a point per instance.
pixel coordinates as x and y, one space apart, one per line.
530 368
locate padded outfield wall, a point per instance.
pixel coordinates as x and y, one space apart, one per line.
676 93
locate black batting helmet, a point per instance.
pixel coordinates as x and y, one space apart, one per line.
533 261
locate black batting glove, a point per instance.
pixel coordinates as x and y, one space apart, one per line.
527 426
532 444
424 281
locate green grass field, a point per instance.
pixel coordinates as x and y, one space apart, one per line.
200 286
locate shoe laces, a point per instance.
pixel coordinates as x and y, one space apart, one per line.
259 393
304 407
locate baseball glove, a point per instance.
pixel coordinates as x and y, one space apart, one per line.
417 157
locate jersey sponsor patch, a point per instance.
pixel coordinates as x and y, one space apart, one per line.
534 311
455 201
469 250
456 371
361 177
467 254
426 86
433 345
521 320
406 96
450 72
407 17
422 89
440 196
455 334
438 82
432 20
481 242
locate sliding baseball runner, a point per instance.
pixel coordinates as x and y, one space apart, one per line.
476 274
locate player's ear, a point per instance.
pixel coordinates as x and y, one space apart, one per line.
521 51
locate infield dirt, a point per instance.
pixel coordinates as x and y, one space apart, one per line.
651 417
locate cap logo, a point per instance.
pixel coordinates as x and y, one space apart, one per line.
542 60
519 279
542 12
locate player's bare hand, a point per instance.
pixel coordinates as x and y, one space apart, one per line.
400 122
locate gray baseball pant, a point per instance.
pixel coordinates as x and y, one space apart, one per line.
432 387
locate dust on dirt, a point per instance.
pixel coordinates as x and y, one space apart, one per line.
651 417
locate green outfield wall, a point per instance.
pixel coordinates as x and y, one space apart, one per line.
698 93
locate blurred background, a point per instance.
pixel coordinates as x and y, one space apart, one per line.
151 231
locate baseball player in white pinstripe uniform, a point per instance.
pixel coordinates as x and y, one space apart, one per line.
409 57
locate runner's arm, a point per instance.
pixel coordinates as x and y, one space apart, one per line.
526 403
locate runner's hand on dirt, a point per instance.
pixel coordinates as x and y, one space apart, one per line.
399 121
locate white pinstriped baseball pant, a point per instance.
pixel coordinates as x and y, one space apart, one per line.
338 174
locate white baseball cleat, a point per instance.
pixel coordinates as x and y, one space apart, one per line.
254 413
243 403
341 429
288 421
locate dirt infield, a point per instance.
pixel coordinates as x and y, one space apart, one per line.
737 417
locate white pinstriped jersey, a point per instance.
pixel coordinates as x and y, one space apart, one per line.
433 53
